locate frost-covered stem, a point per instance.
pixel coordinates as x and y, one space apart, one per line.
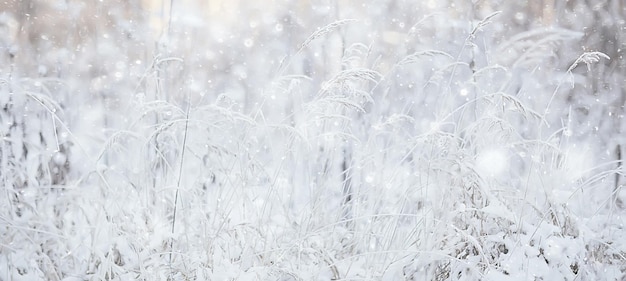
347 185
588 58
619 174
180 176
484 22
169 21
105 123
157 120
618 152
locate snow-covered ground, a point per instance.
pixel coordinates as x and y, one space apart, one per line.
312 140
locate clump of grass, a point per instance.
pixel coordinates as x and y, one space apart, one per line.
418 172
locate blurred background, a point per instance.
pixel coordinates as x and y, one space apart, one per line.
94 59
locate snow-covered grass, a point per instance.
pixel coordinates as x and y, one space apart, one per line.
388 157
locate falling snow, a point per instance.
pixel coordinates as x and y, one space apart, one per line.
312 140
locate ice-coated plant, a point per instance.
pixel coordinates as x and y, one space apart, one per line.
299 141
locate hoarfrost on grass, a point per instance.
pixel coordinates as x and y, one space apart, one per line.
380 141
